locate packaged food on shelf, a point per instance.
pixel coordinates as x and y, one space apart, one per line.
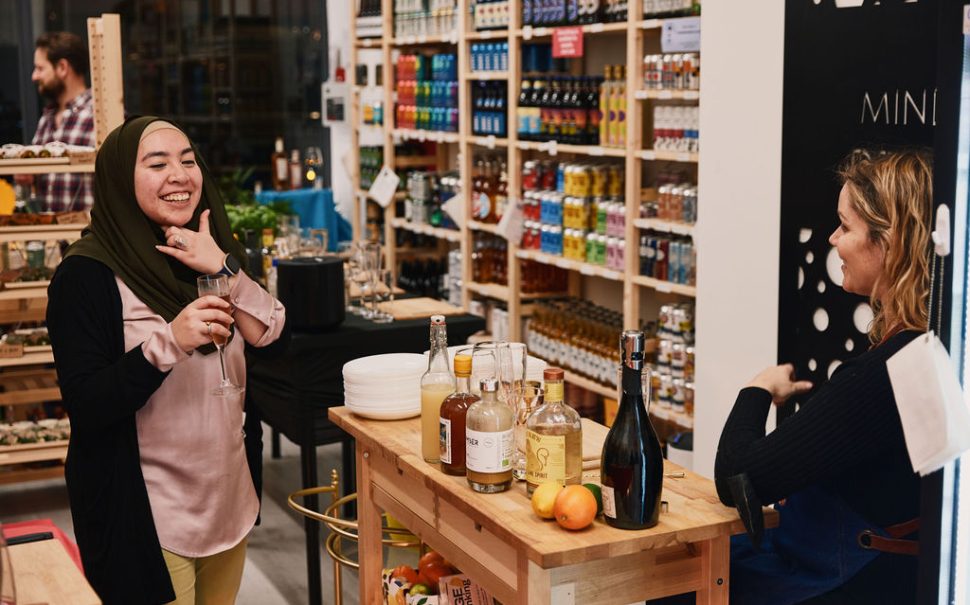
675 128
672 71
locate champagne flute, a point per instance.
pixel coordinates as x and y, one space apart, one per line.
218 285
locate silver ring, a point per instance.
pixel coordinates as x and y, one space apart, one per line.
180 242
208 328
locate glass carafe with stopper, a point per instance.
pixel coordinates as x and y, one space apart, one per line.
632 464
489 441
452 417
554 438
436 384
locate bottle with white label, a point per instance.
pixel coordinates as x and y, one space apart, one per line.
451 418
554 438
489 441
632 465
281 168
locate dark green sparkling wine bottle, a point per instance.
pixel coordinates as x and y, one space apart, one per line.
632 466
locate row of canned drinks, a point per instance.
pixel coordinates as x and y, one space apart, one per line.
439 22
600 179
605 216
668 258
575 244
671 393
675 357
672 72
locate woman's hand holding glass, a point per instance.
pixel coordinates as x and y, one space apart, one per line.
195 249
201 322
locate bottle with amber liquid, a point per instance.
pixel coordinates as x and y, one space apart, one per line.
281 167
436 384
632 466
489 441
451 419
554 438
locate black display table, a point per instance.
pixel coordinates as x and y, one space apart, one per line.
293 393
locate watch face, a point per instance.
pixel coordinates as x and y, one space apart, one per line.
232 264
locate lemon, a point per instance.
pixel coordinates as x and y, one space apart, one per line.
544 499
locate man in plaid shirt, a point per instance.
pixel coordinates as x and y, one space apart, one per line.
60 68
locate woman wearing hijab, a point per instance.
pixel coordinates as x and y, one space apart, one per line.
162 474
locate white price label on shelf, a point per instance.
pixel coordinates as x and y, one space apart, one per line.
640 95
384 187
681 35
664 287
453 37
596 151
367 42
596 28
665 94
510 226
587 270
422 39
527 32
563 263
692 95
420 135
648 154
490 141
438 136
683 157
551 148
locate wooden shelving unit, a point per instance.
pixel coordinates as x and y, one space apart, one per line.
24 379
638 36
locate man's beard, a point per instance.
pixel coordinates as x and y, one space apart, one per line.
51 90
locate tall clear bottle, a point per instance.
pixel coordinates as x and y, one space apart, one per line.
632 465
489 440
452 418
554 438
436 384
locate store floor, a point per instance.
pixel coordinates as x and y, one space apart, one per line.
275 572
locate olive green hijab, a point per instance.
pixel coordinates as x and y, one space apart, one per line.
122 237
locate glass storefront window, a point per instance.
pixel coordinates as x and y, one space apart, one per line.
234 73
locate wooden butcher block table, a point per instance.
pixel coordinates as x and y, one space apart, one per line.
519 558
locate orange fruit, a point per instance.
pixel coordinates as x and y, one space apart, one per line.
575 507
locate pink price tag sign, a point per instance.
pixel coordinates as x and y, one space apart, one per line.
567 42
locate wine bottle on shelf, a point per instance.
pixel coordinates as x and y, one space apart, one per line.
281 167
554 438
437 383
632 463
489 441
452 419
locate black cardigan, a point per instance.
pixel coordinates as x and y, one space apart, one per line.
848 438
102 387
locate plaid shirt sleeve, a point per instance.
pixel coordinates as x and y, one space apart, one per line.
67 192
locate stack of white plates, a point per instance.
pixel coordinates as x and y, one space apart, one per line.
385 387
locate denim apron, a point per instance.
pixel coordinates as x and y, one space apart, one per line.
813 550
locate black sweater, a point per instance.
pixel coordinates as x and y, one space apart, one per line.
847 438
103 387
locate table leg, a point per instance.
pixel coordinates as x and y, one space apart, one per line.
308 462
370 554
275 444
715 571
349 470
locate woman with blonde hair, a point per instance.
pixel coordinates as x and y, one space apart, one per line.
837 469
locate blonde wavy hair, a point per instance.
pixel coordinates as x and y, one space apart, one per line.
893 194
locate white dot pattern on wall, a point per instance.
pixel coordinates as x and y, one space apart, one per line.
833 366
821 319
804 235
833 265
809 258
812 365
849 345
821 287
801 278
862 317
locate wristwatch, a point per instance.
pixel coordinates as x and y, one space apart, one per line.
230 266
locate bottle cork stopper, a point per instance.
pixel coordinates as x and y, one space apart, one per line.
553 374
